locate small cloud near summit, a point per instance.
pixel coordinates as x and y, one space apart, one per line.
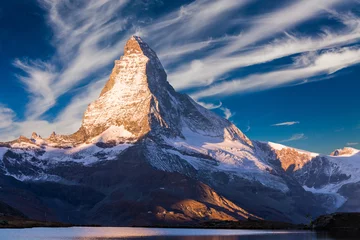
228 114
285 124
352 143
210 105
248 127
295 137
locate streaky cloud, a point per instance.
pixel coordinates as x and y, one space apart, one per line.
209 69
324 63
7 116
210 105
227 112
80 40
285 123
295 137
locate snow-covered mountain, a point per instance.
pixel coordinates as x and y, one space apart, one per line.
334 178
146 154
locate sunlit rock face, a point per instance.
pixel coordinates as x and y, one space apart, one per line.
127 99
138 98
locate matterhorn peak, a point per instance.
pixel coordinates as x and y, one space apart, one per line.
139 60
135 92
135 45
137 102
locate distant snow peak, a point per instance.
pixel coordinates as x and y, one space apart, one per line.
346 151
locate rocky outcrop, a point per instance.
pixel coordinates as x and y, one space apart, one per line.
292 160
338 222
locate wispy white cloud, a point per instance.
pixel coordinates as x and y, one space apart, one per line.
38 79
67 121
248 127
327 62
204 71
279 21
80 34
189 21
227 112
295 137
285 123
352 143
7 116
210 105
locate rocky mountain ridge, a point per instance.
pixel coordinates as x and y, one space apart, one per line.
146 154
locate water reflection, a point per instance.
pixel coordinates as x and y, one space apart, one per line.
157 234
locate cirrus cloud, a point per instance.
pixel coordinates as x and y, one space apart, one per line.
295 137
285 123
6 116
352 143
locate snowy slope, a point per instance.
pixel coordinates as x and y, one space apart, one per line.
337 171
322 174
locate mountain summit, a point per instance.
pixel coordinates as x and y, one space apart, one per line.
134 100
147 155
138 101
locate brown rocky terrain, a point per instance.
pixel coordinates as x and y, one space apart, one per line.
292 160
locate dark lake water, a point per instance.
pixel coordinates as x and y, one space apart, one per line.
88 233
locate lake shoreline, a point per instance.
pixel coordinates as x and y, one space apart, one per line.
338 224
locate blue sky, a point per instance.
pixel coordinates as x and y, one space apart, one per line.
283 71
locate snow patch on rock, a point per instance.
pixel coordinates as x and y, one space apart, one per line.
114 134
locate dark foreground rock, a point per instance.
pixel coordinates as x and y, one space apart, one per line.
340 224
13 218
18 222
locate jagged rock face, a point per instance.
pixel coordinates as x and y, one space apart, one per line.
292 160
321 172
127 100
138 101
